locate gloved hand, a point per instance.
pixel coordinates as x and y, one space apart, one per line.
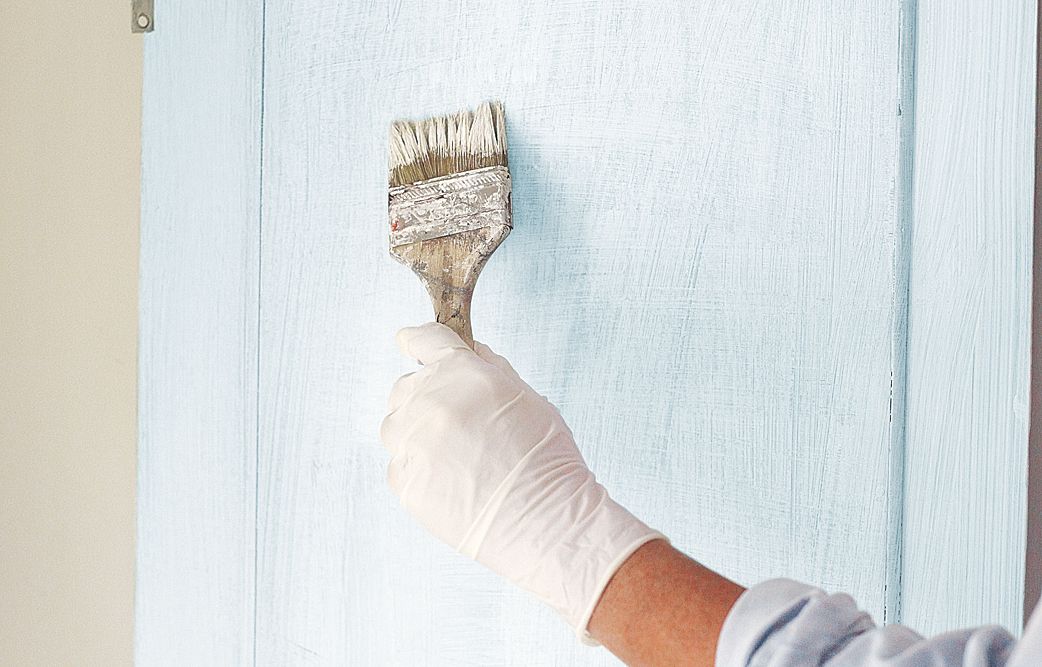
488 466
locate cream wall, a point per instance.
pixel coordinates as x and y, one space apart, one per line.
70 88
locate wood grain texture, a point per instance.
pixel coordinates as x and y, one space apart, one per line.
198 335
701 275
969 324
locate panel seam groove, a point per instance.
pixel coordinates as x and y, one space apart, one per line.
904 196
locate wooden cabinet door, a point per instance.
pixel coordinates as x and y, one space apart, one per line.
771 260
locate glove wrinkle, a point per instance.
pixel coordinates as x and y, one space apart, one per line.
488 512
508 405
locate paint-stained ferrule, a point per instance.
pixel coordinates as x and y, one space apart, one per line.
449 205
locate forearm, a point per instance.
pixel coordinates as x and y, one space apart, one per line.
662 608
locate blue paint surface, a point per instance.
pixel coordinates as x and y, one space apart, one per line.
705 275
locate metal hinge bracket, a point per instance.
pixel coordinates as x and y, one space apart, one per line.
142 17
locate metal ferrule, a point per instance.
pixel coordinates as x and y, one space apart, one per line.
449 205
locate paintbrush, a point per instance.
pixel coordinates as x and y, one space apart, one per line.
449 204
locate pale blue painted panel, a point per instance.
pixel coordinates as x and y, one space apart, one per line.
970 313
198 335
702 277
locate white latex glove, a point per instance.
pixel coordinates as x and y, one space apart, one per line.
488 466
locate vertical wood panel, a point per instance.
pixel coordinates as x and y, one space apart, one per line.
198 335
702 277
969 320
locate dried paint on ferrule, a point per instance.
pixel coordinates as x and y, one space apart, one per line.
449 205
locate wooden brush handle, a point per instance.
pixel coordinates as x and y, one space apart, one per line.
449 266
452 308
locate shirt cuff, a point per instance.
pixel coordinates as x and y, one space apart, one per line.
785 616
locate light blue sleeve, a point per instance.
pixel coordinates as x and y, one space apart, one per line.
783 623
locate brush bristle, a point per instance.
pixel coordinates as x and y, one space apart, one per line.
445 145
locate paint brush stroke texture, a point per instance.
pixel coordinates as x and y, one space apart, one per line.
702 275
969 324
